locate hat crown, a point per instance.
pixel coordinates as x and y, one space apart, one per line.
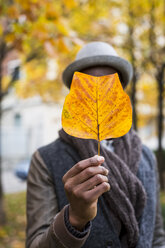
96 48
98 53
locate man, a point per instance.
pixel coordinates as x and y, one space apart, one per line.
73 201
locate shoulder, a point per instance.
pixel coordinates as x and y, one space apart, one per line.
38 172
56 145
57 153
45 153
54 151
56 148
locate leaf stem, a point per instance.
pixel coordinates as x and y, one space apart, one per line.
99 147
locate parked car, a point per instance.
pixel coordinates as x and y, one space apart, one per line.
22 168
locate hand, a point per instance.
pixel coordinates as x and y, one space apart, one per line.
83 184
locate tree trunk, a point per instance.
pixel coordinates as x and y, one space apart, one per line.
2 211
160 78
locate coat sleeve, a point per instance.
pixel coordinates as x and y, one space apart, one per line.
46 226
159 233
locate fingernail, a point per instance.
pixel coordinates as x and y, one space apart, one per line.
100 159
107 172
109 187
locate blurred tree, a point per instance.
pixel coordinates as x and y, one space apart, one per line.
36 30
146 44
133 16
147 107
157 60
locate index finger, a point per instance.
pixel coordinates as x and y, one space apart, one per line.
83 164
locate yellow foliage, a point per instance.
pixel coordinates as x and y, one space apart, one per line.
70 3
13 12
5 82
62 26
3 233
51 12
1 30
12 234
35 82
147 96
40 29
147 87
62 46
10 37
34 74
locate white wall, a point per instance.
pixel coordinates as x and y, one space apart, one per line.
38 125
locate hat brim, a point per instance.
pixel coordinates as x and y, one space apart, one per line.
122 66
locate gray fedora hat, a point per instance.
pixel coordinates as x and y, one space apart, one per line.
95 54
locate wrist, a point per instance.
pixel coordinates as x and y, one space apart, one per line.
76 221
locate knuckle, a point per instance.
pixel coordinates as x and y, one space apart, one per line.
101 170
92 161
68 187
104 170
89 171
79 166
77 193
105 186
99 178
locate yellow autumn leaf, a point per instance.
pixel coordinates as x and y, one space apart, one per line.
96 108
